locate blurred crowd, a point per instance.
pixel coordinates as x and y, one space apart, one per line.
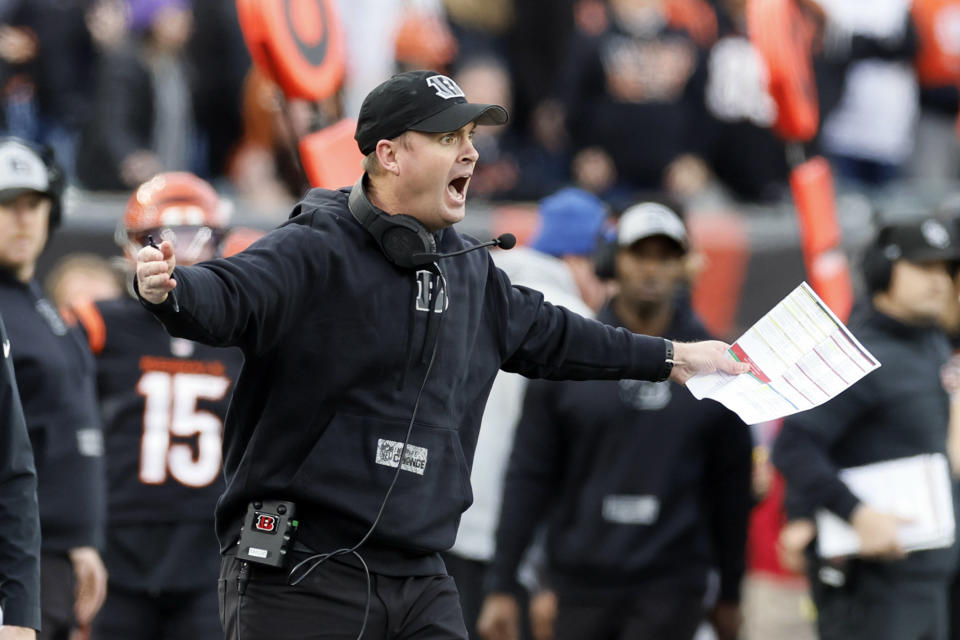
614 96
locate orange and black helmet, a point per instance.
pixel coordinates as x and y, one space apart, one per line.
176 206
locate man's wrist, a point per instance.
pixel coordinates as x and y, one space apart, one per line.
668 361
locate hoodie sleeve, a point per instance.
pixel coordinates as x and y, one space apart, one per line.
19 516
540 340
251 299
802 451
534 471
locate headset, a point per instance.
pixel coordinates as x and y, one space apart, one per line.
877 264
56 178
402 238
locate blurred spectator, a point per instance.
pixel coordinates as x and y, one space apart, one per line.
48 75
570 226
936 155
82 277
509 167
869 135
55 376
537 43
144 121
743 151
645 491
898 410
219 58
634 92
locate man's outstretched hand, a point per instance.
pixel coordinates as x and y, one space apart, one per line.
709 356
155 272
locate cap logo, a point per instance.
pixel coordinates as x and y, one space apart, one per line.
935 234
445 87
19 165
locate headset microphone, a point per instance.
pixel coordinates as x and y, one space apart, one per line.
505 241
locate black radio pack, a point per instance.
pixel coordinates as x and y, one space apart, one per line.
268 529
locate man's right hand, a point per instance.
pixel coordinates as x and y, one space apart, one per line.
709 356
499 618
877 532
17 633
155 272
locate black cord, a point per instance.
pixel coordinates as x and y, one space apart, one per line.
317 559
241 589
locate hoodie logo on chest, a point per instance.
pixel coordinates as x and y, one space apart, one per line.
429 286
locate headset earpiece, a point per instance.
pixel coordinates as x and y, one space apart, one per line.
400 237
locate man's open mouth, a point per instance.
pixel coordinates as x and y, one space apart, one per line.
458 187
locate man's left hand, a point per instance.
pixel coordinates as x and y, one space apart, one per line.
91 583
709 356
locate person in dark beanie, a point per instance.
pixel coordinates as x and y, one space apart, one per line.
372 332
897 411
55 376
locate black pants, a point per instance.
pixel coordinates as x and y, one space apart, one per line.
652 615
329 604
57 584
874 605
136 615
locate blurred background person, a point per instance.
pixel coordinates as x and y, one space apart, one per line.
868 136
570 225
55 376
143 119
645 491
163 401
48 78
897 411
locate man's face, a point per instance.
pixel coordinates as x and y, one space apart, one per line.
919 292
649 272
434 173
23 230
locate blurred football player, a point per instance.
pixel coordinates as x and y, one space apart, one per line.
163 402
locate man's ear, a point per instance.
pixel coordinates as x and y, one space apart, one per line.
387 155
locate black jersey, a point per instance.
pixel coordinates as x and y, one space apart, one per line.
54 371
163 401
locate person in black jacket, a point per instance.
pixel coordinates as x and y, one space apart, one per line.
55 376
19 518
369 354
644 491
897 411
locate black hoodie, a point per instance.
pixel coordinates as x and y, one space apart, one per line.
337 343
643 485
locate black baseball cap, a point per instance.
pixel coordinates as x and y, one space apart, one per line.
925 241
424 101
